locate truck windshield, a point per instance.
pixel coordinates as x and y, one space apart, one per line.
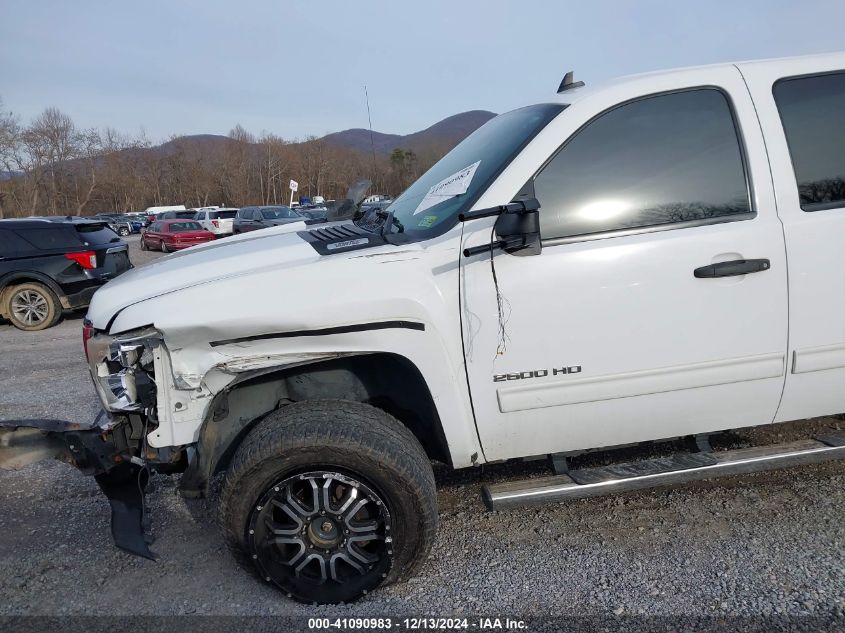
431 205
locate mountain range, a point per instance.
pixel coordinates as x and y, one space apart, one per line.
448 132
443 134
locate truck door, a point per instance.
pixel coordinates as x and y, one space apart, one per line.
802 110
657 307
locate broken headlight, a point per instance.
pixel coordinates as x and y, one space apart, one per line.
122 368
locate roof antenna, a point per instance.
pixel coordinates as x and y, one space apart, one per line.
568 82
370 120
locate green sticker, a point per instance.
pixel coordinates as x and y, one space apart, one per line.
428 221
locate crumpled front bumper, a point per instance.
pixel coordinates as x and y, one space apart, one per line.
96 450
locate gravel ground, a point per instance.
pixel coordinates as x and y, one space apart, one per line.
745 547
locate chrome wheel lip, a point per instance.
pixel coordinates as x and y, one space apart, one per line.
309 553
30 307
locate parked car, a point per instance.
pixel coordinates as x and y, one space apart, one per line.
254 218
219 221
122 224
137 216
314 212
55 264
152 213
188 214
668 252
173 235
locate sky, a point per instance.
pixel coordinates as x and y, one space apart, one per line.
296 68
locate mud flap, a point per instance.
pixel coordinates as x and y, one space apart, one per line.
88 447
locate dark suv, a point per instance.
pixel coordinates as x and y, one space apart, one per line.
188 214
50 264
254 218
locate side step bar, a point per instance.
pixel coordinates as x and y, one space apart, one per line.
681 468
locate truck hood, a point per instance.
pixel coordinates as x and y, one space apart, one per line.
277 247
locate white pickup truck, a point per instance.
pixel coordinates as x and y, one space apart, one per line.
654 258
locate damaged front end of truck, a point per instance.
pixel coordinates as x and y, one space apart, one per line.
112 448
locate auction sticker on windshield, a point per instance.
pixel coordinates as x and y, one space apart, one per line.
449 187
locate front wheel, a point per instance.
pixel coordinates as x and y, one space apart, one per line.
328 500
123 231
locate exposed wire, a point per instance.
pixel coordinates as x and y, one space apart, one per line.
503 306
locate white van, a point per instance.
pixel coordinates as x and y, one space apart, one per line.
157 210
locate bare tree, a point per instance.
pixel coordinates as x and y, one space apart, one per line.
88 147
53 139
53 166
10 133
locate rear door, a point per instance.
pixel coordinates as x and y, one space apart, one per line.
802 110
202 218
151 235
12 250
245 219
609 336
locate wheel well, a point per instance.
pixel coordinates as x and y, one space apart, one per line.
389 382
9 283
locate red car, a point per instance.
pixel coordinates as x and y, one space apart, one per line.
171 235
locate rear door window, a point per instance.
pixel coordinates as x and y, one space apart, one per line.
812 110
51 237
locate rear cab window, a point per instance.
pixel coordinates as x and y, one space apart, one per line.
812 112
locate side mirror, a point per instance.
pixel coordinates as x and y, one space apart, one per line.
520 232
517 227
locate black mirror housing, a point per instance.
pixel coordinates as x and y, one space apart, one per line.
520 232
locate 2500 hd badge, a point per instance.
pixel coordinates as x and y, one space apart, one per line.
537 373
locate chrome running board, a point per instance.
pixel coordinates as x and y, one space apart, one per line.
661 472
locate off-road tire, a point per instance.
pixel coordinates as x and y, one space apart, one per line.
340 436
51 305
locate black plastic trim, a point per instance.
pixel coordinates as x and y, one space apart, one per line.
343 329
340 238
